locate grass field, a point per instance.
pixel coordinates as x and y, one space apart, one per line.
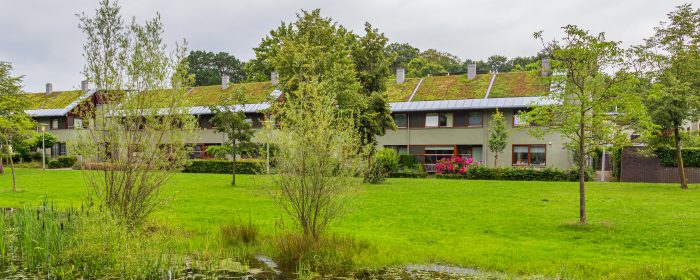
520 228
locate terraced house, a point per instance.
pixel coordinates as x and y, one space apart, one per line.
436 116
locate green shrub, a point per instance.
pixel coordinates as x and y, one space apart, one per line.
387 159
329 255
62 162
518 174
408 161
667 156
407 175
376 173
244 166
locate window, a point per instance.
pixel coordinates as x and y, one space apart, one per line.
470 151
529 155
517 121
435 153
438 120
475 119
54 123
400 120
400 149
78 123
431 120
59 149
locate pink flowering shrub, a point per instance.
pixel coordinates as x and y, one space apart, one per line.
454 165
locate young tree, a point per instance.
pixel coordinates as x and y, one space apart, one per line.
671 61
136 138
498 135
316 157
233 124
15 124
587 106
208 67
372 68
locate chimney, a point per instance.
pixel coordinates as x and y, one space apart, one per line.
84 86
471 71
400 75
274 79
546 67
224 82
49 88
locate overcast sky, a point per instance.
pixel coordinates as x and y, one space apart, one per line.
41 38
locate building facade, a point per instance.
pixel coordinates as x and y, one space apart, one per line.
436 117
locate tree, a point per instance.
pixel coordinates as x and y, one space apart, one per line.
237 129
137 137
15 124
421 67
670 60
499 63
587 106
372 68
448 61
208 67
316 158
498 135
400 54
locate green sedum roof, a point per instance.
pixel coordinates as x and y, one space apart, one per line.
400 92
519 84
213 95
452 87
55 100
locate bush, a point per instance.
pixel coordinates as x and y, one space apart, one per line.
667 156
329 255
62 162
245 166
518 174
387 159
409 174
376 173
408 161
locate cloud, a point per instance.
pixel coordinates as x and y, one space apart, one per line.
43 42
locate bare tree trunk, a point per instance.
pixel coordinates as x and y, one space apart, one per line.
495 160
582 171
679 158
233 180
12 167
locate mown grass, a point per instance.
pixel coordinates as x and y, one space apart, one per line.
520 228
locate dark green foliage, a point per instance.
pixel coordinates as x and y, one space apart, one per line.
518 174
408 160
408 174
376 173
617 162
208 67
667 156
62 162
246 166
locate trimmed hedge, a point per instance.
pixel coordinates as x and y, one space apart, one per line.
245 166
407 175
691 157
518 174
62 162
408 161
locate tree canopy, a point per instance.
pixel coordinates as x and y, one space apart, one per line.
208 67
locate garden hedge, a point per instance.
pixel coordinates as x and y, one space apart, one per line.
518 174
691 157
62 162
245 166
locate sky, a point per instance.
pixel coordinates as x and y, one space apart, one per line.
42 40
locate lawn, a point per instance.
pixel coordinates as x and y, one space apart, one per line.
520 228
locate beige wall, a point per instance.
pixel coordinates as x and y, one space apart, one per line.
556 155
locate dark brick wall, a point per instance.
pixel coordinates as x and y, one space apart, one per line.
636 167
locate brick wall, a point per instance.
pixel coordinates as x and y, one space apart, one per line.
636 167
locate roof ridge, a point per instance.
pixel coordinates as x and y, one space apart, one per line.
493 78
415 89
